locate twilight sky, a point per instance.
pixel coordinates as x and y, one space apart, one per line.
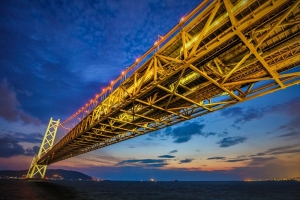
56 55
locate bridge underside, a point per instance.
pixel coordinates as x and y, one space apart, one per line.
229 52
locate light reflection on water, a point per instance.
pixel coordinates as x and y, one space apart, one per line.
34 190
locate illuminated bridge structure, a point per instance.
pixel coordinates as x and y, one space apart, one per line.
222 53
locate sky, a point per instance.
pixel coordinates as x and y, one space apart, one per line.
56 55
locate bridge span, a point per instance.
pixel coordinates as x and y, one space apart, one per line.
222 53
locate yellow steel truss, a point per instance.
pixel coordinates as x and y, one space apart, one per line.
230 52
46 145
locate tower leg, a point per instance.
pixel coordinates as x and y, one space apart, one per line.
46 145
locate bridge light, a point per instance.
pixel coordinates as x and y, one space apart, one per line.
123 72
155 43
182 18
137 60
111 82
243 2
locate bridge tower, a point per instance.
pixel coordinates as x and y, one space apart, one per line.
46 145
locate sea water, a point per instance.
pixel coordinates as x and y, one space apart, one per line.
33 190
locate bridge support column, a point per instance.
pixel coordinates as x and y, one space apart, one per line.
46 145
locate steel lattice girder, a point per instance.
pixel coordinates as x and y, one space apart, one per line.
230 52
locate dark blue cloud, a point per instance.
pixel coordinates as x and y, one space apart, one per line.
230 141
289 108
166 156
187 160
291 128
145 162
253 160
235 126
237 160
281 149
32 151
291 134
242 115
232 112
10 109
223 134
278 150
10 147
287 150
23 137
216 158
261 159
183 132
173 151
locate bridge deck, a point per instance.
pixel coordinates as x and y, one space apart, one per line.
222 53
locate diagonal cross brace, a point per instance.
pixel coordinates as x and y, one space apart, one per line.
46 145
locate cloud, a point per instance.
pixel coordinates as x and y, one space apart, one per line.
223 134
166 156
173 151
258 161
230 141
143 144
254 159
288 149
232 112
291 111
291 134
235 126
237 160
23 137
280 149
144 162
183 133
216 158
32 151
9 147
243 115
289 108
187 160
10 108
292 128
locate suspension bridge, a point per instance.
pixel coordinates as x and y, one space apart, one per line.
222 53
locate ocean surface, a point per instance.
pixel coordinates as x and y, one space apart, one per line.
22 189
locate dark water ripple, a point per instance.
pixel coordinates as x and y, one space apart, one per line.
35 190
